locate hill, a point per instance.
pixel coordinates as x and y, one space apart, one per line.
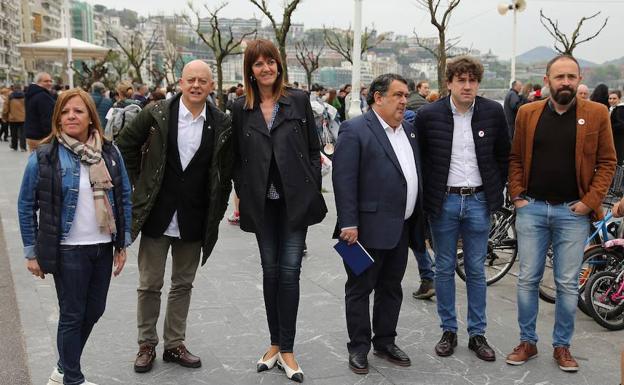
543 54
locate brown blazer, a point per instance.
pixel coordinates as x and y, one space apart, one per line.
14 110
595 153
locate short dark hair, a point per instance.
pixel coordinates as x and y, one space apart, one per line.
411 85
381 84
617 92
513 84
420 83
561 57
464 65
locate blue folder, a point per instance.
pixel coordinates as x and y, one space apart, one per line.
355 256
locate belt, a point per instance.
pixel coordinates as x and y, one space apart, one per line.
464 190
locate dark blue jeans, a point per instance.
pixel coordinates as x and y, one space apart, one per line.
281 251
81 287
466 216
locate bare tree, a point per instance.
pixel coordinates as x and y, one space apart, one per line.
341 42
89 74
119 64
222 43
441 23
138 50
308 54
172 58
568 44
281 30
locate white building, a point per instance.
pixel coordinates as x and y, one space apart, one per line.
10 33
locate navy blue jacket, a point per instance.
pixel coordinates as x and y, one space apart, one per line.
434 123
369 186
103 104
39 109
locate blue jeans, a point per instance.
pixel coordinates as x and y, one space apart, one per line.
281 251
539 224
425 264
466 216
81 287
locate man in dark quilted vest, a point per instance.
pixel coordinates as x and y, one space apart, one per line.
465 149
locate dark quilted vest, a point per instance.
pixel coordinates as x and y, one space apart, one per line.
436 133
50 200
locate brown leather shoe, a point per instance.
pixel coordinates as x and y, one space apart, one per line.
564 359
522 353
145 358
182 357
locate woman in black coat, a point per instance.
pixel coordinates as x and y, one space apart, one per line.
278 180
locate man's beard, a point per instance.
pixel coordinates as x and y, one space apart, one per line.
561 97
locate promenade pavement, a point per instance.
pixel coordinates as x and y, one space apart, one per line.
227 324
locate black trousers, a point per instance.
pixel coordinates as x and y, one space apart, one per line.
384 277
4 130
17 132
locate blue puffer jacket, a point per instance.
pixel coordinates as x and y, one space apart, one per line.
434 123
50 186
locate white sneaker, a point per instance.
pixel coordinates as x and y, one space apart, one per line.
56 377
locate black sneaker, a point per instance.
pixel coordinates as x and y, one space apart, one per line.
425 291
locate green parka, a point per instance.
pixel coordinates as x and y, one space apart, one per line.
143 144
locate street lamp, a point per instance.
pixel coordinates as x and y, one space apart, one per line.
515 6
356 56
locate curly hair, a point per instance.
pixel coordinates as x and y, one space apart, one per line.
464 65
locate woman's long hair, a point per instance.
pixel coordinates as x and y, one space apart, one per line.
255 49
600 94
61 101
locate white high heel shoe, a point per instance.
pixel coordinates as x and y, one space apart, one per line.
267 364
294 375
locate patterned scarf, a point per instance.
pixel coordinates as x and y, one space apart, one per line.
90 154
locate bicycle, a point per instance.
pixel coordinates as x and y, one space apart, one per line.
605 299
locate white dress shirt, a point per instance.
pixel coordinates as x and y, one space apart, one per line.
405 154
189 139
464 169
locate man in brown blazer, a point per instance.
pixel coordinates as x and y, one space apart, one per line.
561 164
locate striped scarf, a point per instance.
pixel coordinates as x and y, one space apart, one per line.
90 154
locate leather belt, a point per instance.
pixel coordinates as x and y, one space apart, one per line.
464 190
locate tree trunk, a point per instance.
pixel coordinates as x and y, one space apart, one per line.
282 50
309 78
442 89
220 84
137 69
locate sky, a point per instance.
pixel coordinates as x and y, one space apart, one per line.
476 22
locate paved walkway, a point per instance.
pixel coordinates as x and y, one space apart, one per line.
227 324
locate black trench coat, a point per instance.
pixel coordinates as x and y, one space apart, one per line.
294 141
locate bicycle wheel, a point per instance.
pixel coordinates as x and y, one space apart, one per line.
596 260
501 252
604 303
547 289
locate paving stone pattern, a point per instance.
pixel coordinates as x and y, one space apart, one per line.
227 324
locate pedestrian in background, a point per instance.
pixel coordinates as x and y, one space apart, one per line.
76 184
616 112
601 95
278 179
39 106
4 124
14 112
102 103
561 165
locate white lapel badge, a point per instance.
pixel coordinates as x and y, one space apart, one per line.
481 134
581 121
114 163
412 135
